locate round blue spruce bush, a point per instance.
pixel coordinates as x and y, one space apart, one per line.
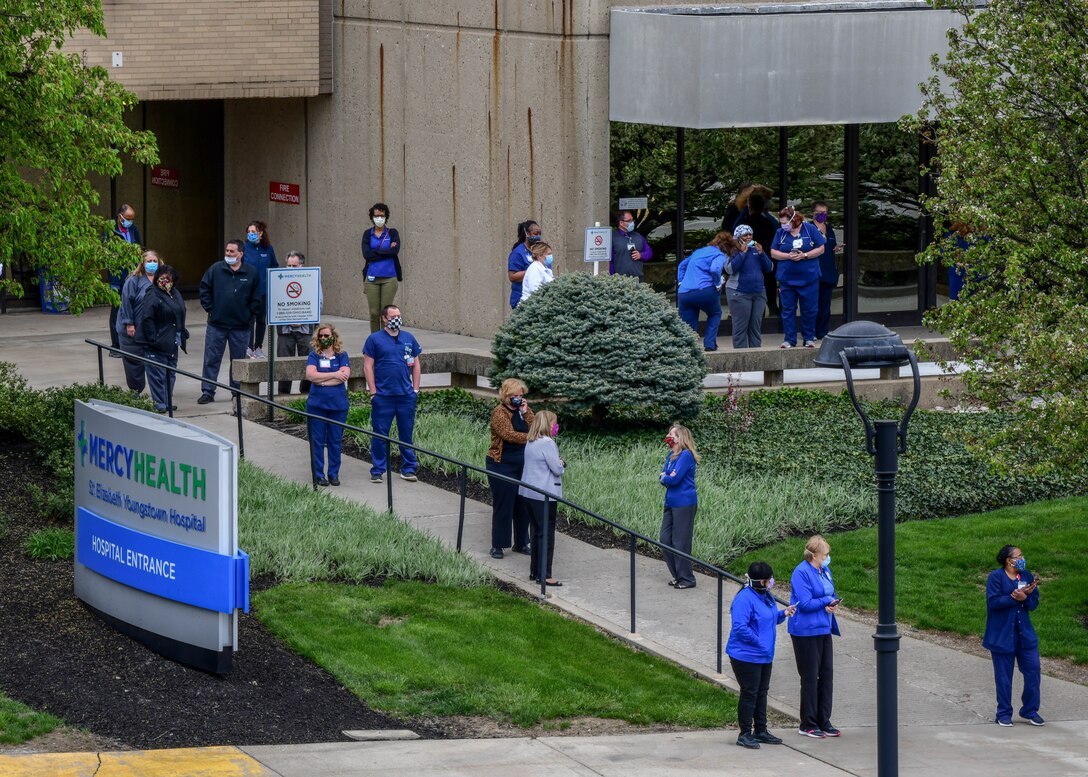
602 343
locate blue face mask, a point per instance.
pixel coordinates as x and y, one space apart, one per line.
827 561
126 223
151 267
1021 564
548 260
253 237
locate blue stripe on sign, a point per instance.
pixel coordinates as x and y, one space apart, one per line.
202 578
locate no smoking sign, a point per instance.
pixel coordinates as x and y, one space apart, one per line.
294 295
294 290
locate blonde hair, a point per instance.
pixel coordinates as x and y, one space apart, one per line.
316 347
140 268
541 425
511 387
539 250
684 440
816 544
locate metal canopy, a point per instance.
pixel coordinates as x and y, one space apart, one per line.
772 65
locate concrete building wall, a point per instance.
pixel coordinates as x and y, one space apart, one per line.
207 49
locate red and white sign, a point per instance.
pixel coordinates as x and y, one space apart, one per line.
164 176
288 193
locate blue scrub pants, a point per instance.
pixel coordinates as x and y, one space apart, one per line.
709 301
1027 658
324 435
215 342
383 409
160 380
823 309
808 297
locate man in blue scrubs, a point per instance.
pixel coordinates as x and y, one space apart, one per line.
391 365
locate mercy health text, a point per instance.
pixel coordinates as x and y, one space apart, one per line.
133 558
187 521
161 473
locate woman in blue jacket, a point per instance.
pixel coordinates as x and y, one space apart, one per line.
744 290
797 246
681 502
700 282
754 615
1011 593
328 369
813 593
259 254
381 264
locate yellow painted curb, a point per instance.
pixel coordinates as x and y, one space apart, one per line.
183 762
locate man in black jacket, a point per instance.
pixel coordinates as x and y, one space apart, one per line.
229 293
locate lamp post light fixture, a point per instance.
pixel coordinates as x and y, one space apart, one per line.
867 345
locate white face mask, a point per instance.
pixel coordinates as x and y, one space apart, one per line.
379 221
230 259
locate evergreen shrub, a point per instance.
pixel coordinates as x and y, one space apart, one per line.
602 344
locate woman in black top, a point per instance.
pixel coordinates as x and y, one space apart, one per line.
162 324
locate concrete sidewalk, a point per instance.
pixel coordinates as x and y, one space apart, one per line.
945 697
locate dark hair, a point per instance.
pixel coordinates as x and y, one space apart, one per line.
617 215
759 570
387 308
379 206
523 232
818 203
301 256
263 229
165 269
756 202
1004 553
239 244
124 206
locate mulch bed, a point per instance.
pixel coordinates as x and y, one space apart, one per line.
57 656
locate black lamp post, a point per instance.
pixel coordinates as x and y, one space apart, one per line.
866 345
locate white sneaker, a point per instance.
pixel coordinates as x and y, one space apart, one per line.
786 345
258 353
249 353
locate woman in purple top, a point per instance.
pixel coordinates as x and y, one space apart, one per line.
381 264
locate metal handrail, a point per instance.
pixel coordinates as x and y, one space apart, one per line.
633 535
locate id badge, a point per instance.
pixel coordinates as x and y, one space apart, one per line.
798 243
370 278
324 364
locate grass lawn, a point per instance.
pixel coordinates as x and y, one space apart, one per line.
413 649
19 723
942 566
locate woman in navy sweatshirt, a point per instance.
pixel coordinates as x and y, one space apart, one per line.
681 502
754 615
813 592
745 291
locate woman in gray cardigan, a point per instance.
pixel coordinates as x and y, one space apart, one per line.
544 469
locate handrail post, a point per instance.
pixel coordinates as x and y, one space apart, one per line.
632 583
310 440
542 551
721 601
171 372
101 368
238 412
388 476
461 513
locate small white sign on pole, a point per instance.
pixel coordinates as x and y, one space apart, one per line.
598 247
294 295
634 203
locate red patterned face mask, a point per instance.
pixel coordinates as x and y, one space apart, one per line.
670 440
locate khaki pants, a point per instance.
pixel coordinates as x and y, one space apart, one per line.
379 293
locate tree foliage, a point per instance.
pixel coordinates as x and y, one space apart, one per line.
1008 111
602 342
61 122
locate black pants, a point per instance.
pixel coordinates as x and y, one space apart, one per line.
755 681
135 378
293 344
541 519
815 665
506 508
677 525
113 326
259 325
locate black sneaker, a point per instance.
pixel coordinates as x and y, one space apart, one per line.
523 550
1004 722
747 740
831 731
321 482
205 399
496 553
766 737
815 733
1034 719
334 481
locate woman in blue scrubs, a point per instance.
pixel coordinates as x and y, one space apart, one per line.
328 370
798 246
700 282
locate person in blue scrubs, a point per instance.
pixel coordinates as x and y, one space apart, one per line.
813 592
1012 592
328 369
797 246
681 503
829 268
744 289
700 281
391 364
259 254
754 616
520 258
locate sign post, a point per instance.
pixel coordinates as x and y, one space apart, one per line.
157 553
598 246
294 297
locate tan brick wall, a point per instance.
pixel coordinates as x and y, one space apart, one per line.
210 49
